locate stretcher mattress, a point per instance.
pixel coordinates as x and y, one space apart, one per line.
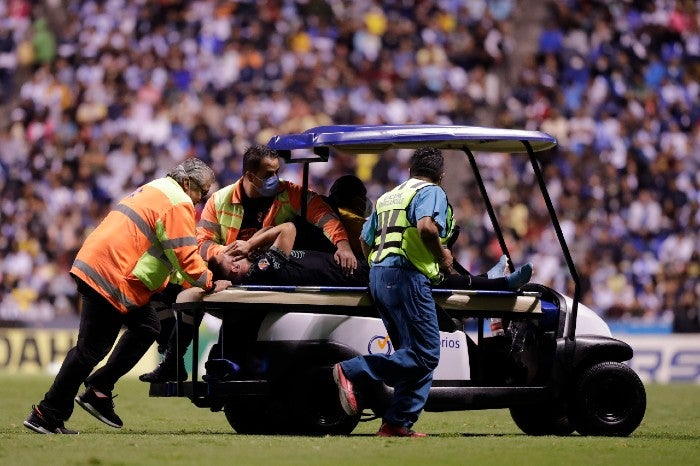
322 299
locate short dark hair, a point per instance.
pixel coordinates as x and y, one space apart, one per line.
216 268
427 162
345 189
254 154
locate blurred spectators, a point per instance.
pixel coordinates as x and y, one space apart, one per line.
118 91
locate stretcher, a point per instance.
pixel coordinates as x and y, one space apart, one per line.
355 300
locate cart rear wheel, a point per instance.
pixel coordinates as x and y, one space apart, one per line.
318 409
542 419
609 399
305 404
255 416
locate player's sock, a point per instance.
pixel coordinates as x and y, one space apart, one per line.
498 270
520 277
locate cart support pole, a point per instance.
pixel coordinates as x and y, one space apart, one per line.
489 207
304 189
560 237
195 350
178 322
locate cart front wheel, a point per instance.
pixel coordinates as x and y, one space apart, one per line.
609 400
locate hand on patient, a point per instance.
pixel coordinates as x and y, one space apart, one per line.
345 258
220 285
238 249
446 261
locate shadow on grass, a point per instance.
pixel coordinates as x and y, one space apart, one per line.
666 436
155 432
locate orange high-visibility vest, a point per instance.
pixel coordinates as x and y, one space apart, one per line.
223 215
146 237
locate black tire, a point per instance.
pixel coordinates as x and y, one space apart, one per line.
309 406
609 400
318 409
542 419
254 416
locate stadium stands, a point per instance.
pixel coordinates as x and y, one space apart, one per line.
100 96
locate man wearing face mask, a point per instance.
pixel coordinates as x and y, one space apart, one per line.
260 199
233 214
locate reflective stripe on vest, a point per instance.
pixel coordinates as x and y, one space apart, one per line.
396 235
104 284
230 215
156 264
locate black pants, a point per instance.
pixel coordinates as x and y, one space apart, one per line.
473 282
236 342
100 323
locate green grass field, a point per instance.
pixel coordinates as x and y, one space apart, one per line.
160 431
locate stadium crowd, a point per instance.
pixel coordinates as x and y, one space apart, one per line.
101 96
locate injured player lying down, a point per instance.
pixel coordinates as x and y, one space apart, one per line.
267 258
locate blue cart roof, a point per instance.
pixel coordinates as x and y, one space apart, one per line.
378 138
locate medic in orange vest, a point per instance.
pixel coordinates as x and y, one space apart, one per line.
131 255
221 229
147 236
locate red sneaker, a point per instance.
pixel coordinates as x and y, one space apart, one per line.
345 391
390 430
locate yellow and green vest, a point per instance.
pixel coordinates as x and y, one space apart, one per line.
396 235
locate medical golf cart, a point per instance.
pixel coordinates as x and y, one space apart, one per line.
555 366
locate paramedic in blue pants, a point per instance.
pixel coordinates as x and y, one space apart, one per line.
403 239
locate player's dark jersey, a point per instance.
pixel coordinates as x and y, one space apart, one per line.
303 268
255 210
316 268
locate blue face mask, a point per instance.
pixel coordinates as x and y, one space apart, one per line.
269 186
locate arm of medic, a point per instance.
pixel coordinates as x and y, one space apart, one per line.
209 236
323 216
185 257
429 233
280 236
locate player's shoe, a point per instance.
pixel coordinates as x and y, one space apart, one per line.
99 405
44 424
345 390
169 370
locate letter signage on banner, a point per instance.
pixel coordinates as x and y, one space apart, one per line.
34 351
664 359
28 351
657 358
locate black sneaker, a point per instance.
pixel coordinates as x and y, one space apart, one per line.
41 424
102 407
220 370
166 371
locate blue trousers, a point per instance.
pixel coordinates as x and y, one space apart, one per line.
405 303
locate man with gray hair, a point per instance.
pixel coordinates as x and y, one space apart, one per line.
193 173
147 238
